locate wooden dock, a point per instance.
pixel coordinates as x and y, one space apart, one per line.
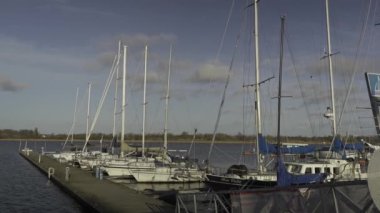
94 194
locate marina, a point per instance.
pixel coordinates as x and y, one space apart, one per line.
99 193
189 112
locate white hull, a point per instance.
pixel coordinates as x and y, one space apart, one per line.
122 168
167 175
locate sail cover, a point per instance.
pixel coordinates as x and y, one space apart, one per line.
339 146
267 148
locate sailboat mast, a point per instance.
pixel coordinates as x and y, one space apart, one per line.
167 102
123 99
75 114
88 113
144 102
280 86
116 91
258 107
329 54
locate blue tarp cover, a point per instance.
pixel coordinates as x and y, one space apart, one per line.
267 148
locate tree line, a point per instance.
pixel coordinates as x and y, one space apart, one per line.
184 136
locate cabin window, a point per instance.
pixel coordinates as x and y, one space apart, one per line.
336 170
288 167
327 170
317 170
295 169
308 170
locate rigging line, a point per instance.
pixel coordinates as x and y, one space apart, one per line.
71 131
223 97
105 91
223 35
243 112
366 61
225 31
225 153
357 54
303 95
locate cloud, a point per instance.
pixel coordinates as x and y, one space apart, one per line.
14 51
8 85
210 72
68 6
139 40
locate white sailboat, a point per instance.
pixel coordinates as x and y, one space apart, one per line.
121 167
166 172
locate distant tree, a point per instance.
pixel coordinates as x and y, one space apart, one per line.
36 134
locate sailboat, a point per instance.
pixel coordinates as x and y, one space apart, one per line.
335 161
238 176
133 159
68 155
166 172
284 178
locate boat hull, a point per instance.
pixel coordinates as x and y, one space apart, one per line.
221 182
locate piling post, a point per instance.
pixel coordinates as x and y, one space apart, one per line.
67 174
50 172
97 171
100 173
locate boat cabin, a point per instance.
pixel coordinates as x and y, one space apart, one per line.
335 169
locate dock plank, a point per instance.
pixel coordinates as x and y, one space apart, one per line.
94 194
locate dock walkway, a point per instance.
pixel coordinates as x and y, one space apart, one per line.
94 194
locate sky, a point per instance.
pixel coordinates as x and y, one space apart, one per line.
49 48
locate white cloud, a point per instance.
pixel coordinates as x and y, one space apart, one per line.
210 72
8 85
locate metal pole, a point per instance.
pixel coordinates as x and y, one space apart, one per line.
258 106
67 173
280 86
144 101
167 103
330 68
123 99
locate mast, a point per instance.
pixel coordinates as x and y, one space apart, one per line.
331 114
280 86
75 114
167 102
144 101
123 99
258 107
88 114
116 91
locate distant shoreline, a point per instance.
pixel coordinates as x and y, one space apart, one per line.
153 141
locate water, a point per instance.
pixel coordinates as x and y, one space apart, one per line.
25 189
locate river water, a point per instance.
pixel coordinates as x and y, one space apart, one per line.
25 189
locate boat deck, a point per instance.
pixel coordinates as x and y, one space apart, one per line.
94 194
